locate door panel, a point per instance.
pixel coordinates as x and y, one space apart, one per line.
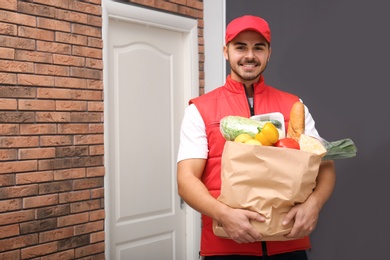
161 245
144 123
145 98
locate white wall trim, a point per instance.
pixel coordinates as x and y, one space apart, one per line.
128 12
214 40
147 16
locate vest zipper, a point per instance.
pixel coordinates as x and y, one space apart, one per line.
251 109
264 248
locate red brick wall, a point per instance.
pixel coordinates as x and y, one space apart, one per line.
51 130
51 125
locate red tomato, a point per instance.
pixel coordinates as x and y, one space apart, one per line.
287 143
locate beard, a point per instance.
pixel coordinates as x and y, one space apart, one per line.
246 76
242 74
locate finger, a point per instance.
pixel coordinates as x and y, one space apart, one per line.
255 216
296 233
247 235
247 238
290 234
251 230
254 235
250 238
294 230
289 216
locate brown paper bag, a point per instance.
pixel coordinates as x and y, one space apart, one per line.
268 180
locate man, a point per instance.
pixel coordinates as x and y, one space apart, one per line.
245 93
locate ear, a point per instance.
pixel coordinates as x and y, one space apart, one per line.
225 52
269 54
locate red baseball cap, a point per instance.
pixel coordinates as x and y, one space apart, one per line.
245 23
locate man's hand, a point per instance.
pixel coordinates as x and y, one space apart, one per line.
306 214
236 224
306 218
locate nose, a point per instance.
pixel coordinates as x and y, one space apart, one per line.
249 54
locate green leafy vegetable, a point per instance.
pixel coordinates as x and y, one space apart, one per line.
232 126
340 149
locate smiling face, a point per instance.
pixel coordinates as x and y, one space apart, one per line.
248 54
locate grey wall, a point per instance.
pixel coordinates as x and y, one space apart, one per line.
335 55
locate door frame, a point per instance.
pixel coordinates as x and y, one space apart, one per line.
214 39
189 27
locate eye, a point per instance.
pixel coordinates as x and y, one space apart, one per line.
240 47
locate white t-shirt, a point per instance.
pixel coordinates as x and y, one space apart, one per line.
193 139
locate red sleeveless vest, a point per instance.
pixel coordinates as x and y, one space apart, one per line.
231 99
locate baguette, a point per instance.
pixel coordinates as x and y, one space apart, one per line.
296 126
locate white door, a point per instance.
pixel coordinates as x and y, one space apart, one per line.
145 92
